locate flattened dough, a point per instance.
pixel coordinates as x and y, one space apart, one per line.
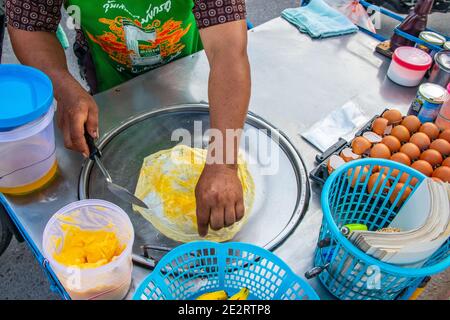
167 185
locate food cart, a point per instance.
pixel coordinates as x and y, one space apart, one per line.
296 81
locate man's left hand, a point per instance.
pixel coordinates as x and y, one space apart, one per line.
219 198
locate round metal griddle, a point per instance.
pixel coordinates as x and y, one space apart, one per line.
281 184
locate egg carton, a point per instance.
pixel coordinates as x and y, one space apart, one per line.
320 173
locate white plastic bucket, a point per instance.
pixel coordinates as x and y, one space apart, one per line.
28 158
108 282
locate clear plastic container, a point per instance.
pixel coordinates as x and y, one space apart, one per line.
28 158
108 282
443 119
408 66
27 141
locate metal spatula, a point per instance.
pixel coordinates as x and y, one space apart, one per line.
122 193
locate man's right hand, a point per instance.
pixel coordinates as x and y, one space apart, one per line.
76 111
76 107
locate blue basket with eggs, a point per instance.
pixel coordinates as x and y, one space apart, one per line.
196 268
351 197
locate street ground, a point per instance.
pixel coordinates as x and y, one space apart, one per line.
20 275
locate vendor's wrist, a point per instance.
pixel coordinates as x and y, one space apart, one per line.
64 84
223 166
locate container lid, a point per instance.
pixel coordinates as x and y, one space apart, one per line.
432 38
433 92
443 59
26 94
412 58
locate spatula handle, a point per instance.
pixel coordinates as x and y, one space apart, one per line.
93 150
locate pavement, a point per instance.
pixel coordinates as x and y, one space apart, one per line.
21 276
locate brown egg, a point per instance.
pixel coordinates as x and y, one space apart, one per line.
412 123
372 182
397 189
348 155
441 145
372 137
356 178
379 126
392 143
393 116
380 151
334 162
393 174
411 150
405 177
430 129
432 156
423 166
442 173
421 140
376 169
445 135
401 158
446 162
401 133
360 145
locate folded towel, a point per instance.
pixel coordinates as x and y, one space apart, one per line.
319 20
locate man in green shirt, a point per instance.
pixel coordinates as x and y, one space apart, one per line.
124 38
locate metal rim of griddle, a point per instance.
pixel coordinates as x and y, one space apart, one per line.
253 120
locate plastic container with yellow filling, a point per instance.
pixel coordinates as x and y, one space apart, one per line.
88 245
27 140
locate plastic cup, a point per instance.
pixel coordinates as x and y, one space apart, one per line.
108 282
443 119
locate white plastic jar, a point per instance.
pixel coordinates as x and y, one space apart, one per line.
408 66
107 282
27 141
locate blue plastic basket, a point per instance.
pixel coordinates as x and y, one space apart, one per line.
196 268
349 273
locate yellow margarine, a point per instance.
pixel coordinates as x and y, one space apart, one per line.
87 248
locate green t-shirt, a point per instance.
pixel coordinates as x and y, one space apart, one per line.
130 37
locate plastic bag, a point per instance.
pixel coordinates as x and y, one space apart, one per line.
353 10
341 123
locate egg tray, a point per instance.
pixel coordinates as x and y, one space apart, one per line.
320 173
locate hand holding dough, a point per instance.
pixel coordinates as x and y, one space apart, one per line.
167 185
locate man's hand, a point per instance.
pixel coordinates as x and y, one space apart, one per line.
219 191
219 197
76 111
76 108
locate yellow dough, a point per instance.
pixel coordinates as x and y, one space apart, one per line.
167 185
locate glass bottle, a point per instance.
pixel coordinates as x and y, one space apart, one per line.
414 23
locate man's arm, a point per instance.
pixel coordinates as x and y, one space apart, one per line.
219 191
76 108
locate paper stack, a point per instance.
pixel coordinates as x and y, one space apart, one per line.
424 224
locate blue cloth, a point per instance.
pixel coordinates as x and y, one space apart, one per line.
319 20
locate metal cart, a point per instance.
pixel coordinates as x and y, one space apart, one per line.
296 80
